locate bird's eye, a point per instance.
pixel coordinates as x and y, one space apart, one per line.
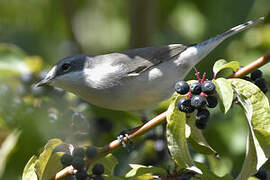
65 67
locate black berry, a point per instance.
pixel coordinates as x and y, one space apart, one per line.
196 88
202 115
78 152
264 88
66 160
256 74
98 169
98 178
182 87
262 174
78 163
212 101
81 175
262 84
202 118
184 105
27 79
198 101
208 87
201 125
91 152
247 78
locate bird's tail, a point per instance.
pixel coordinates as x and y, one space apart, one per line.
207 46
240 28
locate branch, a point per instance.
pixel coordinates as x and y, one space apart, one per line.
252 66
161 118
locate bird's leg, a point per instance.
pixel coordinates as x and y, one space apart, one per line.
126 133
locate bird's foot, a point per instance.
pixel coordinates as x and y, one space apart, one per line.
128 144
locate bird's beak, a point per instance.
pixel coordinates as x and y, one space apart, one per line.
43 82
48 79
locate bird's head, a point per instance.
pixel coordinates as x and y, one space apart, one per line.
67 73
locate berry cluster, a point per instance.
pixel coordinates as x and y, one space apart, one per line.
77 160
200 94
257 78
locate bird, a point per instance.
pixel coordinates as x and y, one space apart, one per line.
135 80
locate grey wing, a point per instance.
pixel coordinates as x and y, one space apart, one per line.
136 61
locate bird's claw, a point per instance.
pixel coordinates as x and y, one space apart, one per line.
125 144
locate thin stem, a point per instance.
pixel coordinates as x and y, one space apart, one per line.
252 66
141 130
161 117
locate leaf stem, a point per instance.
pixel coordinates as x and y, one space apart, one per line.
161 117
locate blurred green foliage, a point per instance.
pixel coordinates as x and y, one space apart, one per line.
39 33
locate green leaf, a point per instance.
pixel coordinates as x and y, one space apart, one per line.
196 139
139 170
48 162
176 136
209 175
253 178
10 51
114 177
109 162
29 170
144 177
257 110
223 64
6 149
225 93
220 166
12 60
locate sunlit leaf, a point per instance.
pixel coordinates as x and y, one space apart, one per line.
6 148
225 93
48 162
207 174
257 111
9 51
223 64
139 170
219 64
29 170
196 139
12 60
109 162
220 166
176 136
253 178
144 177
